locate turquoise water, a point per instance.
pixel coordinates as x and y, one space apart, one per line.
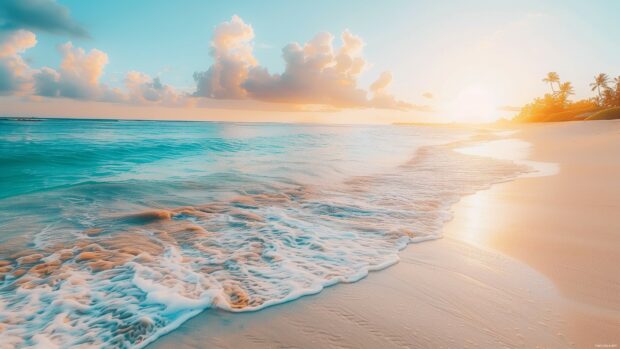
115 232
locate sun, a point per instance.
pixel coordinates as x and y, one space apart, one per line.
474 104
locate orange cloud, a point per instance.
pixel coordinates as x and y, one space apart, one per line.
382 99
78 76
17 42
231 48
315 74
14 72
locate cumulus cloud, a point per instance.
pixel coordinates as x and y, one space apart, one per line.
14 71
79 78
78 75
315 73
231 50
44 15
16 42
142 89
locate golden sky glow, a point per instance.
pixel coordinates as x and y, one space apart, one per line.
417 62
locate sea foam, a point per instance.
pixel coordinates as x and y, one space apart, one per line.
118 263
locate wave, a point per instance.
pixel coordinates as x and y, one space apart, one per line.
123 278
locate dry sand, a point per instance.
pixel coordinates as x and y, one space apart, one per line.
529 263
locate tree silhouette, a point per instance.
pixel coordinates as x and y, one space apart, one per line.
566 89
600 81
556 106
551 78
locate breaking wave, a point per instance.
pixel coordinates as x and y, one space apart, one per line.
118 263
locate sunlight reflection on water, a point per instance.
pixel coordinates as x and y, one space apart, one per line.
514 150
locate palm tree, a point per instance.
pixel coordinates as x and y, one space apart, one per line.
608 98
615 92
552 77
601 80
566 89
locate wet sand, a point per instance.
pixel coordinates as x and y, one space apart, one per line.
528 263
565 226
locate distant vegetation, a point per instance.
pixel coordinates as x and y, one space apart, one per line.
607 114
557 105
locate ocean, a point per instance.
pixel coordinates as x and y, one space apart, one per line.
114 232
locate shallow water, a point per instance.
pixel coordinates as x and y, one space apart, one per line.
115 232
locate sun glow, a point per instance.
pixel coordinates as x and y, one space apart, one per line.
474 104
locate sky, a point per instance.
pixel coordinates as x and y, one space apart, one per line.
298 61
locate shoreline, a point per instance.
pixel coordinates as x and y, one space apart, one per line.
353 314
400 307
564 226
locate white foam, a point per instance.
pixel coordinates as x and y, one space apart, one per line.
265 254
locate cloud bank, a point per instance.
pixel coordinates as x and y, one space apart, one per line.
43 15
315 73
78 76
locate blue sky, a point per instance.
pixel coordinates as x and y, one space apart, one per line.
441 47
